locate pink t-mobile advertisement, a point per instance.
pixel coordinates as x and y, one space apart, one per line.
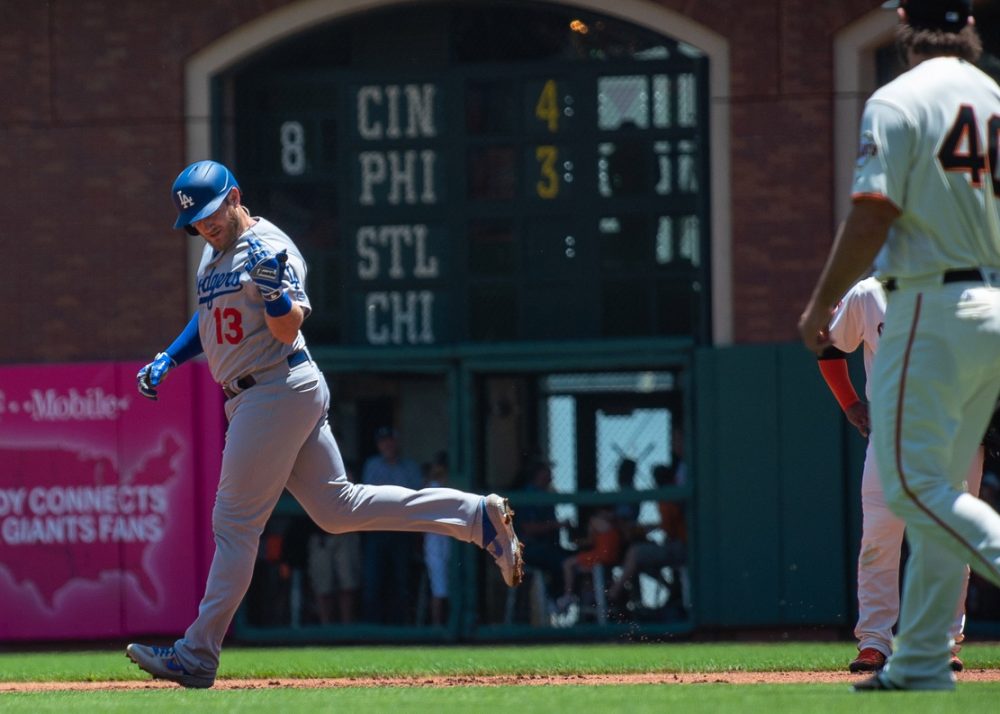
105 499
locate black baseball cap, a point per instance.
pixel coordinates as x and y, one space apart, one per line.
947 15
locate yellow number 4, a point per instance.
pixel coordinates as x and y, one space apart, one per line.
547 108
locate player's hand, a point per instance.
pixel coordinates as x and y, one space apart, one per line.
857 414
266 269
814 327
150 376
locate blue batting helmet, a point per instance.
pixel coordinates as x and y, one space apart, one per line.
199 191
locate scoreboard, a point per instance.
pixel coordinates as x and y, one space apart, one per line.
487 202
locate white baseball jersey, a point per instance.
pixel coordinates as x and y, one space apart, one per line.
231 312
858 320
921 133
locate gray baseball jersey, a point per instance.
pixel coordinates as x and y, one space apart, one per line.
279 438
231 324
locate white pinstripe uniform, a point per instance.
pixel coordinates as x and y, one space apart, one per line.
857 322
936 375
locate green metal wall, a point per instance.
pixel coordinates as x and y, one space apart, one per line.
774 488
776 491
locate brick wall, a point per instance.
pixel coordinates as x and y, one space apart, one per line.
92 134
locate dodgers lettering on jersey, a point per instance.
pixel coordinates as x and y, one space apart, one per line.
214 284
858 320
935 175
231 322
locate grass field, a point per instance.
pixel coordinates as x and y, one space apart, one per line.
417 664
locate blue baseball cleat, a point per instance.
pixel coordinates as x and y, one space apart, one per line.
505 548
162 663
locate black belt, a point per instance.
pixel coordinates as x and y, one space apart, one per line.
962 275
244 383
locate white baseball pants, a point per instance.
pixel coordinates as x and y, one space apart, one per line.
936 378
878 561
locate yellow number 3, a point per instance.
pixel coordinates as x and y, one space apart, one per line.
548 183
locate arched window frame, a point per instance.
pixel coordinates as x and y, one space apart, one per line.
288 21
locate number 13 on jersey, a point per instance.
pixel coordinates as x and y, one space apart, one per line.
228 325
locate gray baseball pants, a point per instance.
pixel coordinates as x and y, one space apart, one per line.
279 437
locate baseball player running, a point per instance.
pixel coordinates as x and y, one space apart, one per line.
924 203
856 321
251 303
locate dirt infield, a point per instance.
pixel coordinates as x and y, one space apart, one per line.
586 680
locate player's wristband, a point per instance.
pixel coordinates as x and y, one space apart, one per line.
187 344
835 373
279 306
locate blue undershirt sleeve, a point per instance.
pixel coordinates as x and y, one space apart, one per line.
187 344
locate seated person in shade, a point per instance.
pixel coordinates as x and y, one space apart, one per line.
540 526
648 555
602 546
627 512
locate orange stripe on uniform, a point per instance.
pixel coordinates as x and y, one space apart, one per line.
878 197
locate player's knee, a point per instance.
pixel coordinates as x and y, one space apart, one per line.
228 522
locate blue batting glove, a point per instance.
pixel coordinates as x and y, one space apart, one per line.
150 376
266 269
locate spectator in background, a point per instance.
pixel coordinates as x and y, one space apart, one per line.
645 555
335 572
539 527
648 555
388 556
437 548
294 565
677 464
602 546
627 512
267 600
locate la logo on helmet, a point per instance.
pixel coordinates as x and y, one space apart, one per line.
185 200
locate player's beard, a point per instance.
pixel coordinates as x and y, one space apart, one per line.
234 225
